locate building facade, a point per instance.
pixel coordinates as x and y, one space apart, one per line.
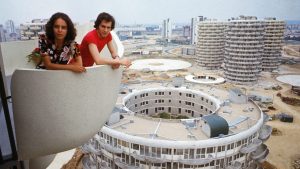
167 30
245 45
33 29
194 29
211 42
244 49
142 142
2 34
273 41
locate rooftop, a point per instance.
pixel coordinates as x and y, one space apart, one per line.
240 117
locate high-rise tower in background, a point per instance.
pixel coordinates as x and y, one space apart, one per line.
167 30
249 47
244 47
2 34
194 28
33 29
10 27
273 41
210 46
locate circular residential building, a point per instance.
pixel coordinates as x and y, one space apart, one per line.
176 128
243 51
273 40
210 46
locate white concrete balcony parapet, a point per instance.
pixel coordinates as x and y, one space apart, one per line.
275 30
244 62
213 60
244 37
110 148
246 50
239 42
211 38
240 79
90 148
265 132
88 163
210 43
212 50
210 47
273 47
243 54
260 154
209 54
245 29
251 147
234 67
53 118
245 46
272 41
242 59
235 165
241 75
123 165
198 161
150 158
230 33
239 69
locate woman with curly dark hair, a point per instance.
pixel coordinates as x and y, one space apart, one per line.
58 49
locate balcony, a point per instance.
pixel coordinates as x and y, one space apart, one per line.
149 158
90 148
123 165
88 163
265 132
251 147
260 154
49 117
198 161
110 148
235 165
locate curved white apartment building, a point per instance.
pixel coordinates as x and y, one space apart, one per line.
244 48
210 46
273 40
217 134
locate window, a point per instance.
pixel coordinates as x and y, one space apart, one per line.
210 149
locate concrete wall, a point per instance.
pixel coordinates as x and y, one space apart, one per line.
57 110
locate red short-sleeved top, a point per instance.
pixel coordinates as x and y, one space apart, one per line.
92 37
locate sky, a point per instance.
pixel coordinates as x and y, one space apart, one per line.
147 11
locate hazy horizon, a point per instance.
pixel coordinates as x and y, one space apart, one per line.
146 11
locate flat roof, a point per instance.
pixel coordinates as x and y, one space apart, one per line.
146 126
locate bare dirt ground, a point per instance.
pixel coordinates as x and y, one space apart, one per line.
292 50
284 147
75 161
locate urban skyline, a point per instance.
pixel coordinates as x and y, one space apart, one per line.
152 12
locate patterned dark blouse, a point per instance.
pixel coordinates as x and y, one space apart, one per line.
59 56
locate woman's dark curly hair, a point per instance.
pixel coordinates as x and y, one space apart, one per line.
106 17
71 31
